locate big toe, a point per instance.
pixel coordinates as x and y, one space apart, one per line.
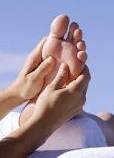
59 26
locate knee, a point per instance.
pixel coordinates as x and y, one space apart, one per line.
106 116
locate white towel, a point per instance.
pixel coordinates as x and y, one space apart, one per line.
100 152
10 122
78 133
105 152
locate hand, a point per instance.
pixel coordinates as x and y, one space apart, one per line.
56 105
31 79
29 82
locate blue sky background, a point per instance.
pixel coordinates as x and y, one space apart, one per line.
24 22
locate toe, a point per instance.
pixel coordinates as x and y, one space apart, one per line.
59 26
81 46
77 36
74 26
82 56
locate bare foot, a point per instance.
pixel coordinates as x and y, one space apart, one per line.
70 51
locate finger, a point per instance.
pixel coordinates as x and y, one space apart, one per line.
81 82
84 93
44 69
85 90
35 58
61 77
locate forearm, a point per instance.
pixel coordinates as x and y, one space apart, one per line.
8 100
24 140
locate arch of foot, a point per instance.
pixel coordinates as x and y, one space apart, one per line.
62 50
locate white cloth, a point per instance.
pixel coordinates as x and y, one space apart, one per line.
100 152
10 122
106 152
78 133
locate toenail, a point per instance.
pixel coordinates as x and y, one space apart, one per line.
74 26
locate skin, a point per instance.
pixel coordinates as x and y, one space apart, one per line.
28 83
67 50
73 44
17 141
71 51
18 144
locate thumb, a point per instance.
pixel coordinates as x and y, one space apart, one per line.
44 69
34 58
61 77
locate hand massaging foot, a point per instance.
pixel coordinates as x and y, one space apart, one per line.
70 51
81 132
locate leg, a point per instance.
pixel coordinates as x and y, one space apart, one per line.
108 119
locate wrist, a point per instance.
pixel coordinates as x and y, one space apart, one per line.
47 119
19 143
13 96
32 129
8 100
16 93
